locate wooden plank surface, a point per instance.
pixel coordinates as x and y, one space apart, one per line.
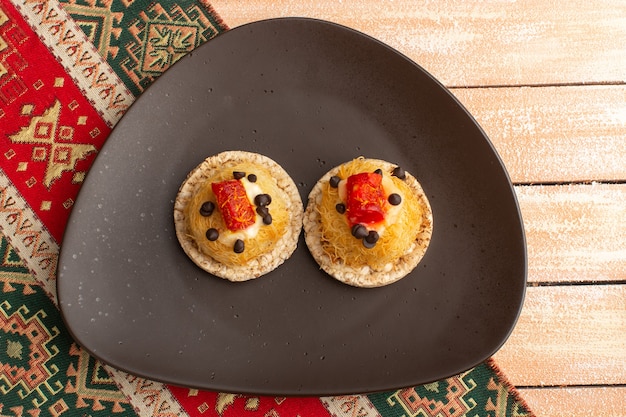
568 335
575 233
577 402
554 134
492 42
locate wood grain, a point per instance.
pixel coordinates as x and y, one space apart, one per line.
493 42
554 134
568 335
575 233
577 402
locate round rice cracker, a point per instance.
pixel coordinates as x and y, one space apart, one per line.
264 263
365 276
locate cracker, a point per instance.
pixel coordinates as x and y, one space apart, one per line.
364 275
262 264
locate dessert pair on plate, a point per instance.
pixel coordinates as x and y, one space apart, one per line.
367 223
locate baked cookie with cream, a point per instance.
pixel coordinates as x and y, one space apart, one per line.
368 222
238 215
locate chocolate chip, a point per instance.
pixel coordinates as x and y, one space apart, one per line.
238 175
252 178
378 171
368 245
399 172
267 219
370 240
212 234
263 200
206 209
239 246
262 211
372 237
394 199
334 181
359 231
341 208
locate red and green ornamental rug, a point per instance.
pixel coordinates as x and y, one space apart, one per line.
69 70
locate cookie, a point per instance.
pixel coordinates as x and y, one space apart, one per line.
238 215
368 223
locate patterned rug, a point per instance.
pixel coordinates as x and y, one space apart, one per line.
68 71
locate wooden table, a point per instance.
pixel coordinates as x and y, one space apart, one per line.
547 82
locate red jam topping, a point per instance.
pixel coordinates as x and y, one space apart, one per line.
234 205
366 201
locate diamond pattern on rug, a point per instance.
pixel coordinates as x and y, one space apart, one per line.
92 384
151 37
477 392
52 145
41 369
100 24
51 133
13 270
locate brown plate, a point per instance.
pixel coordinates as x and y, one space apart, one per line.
310 95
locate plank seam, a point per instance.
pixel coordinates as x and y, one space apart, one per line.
570 386
574 283
544 85
567 183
